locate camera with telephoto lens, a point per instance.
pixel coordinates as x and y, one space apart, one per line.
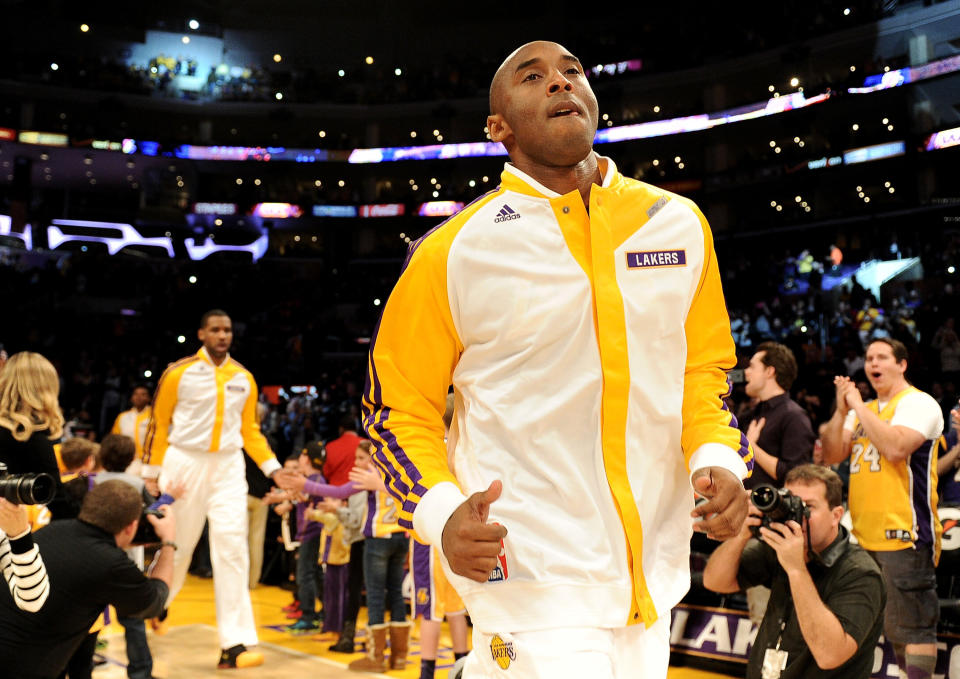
26 489
146 534
777 506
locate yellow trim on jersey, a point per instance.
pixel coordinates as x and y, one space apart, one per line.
417 417
164 401
710 353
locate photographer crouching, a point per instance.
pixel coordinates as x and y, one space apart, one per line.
88 570
827 595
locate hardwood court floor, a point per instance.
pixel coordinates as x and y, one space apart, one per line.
189 649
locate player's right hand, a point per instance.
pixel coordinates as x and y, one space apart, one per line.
470 544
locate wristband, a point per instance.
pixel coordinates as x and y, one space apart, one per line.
168 543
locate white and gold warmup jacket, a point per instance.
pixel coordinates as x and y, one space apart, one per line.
587 354
134 423
202 407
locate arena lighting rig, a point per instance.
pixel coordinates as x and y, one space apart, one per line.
658 128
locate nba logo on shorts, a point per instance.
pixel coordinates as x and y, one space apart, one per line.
499 573
502 651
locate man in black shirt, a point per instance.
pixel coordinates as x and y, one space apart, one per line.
88 570
778 429
826 605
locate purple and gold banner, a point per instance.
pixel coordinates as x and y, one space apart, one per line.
727 635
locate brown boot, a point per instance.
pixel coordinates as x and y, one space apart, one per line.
399 643
373 661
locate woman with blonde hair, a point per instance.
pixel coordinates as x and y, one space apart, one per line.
30 415
30 420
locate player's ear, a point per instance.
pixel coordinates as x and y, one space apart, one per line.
498 127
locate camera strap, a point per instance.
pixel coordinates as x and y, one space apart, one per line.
775 659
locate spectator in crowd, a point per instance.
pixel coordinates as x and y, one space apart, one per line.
891 443
825 612
30 416
309 572
77 459
352 517
948 464
778 429
78 456
384 556
85 560
204 411
133 423
945 341
335 557
611 355
340 452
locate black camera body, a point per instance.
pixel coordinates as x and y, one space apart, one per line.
778 505
26 489
146 534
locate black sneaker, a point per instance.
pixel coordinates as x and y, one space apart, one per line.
238 657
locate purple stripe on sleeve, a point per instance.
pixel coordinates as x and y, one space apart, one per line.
422 571
744 450
394 446
371 513
920 463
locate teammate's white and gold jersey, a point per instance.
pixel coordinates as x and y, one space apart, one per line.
202 407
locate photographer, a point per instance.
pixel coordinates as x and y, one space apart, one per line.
827 595
89 570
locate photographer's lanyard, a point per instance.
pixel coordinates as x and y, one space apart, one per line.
774 659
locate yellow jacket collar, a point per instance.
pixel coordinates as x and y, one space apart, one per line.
513 179
204 356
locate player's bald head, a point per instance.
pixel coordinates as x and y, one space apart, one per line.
507 68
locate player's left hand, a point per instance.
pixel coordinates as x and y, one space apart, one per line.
724 512
787 541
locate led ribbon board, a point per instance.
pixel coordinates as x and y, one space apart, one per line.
6 229
257 248
128 236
